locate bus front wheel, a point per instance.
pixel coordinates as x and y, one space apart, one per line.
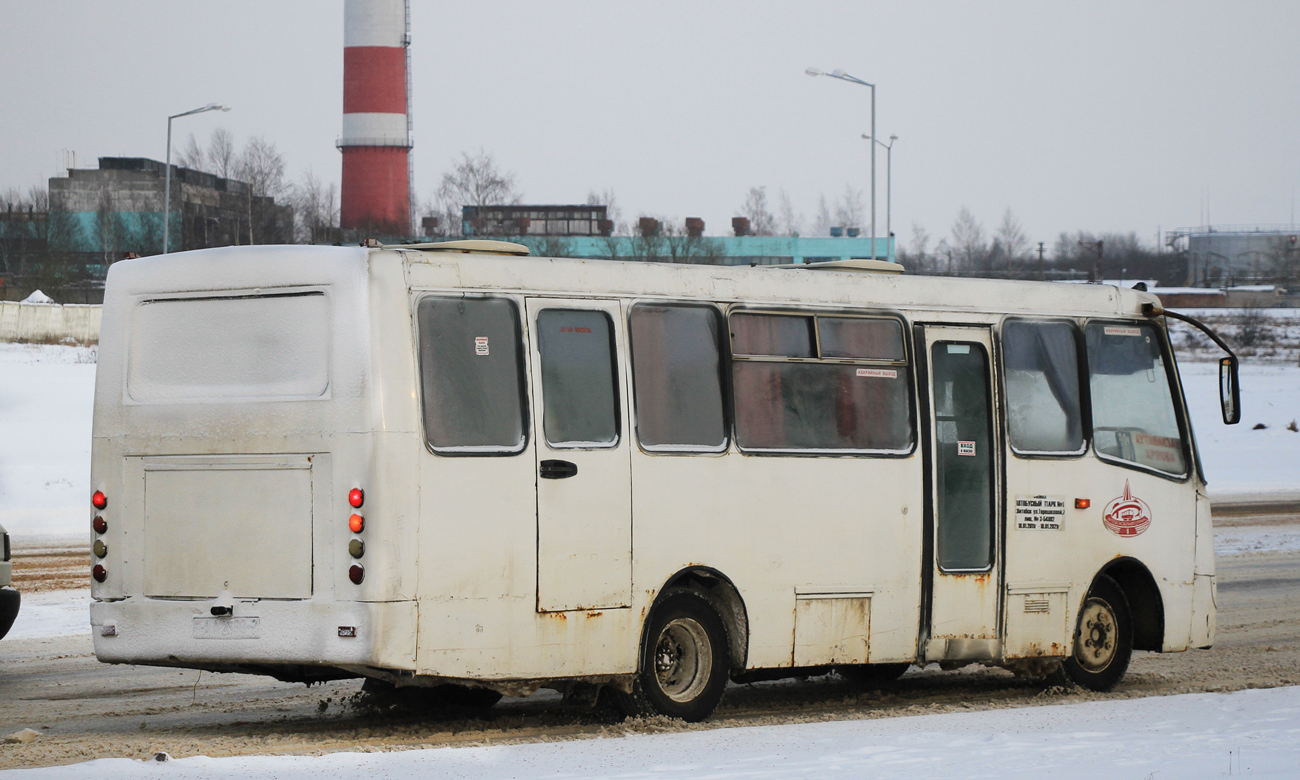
1103 640
684 663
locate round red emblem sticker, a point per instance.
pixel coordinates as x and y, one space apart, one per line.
1127 515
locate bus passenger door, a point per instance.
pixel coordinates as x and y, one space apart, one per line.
962 532
584 494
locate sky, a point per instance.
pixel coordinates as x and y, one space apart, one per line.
1099 116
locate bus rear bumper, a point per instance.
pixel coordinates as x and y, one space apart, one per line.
141 630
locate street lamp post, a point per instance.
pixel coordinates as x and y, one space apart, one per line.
167 178
842 76
889 182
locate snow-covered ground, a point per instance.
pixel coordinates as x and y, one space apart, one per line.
46 398
53 613
1239 458
1253 732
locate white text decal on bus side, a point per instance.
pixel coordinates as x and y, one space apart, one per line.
1116 330
480 345
966 448
883 373
1040 513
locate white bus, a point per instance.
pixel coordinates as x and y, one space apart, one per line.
456 467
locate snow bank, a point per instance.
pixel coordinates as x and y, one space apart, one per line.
1209 735
46 399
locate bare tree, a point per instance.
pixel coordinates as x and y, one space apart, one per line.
261 166
1011 239
850 209
968 241
475 181
789 222
222 160
316 207
916 256
192 156
761 221
822 222
607 199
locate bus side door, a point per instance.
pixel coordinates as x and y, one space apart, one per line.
584 493
962 531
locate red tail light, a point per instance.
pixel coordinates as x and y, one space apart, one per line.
357 523
99 500
356 573
99 573
356 497
100 524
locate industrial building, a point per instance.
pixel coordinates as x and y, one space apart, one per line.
118 208
375 195
1238 254
584 231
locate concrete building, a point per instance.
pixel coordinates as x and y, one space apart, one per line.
118 208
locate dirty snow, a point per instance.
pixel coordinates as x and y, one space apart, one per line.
1252 732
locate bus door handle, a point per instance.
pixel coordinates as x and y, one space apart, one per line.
558 469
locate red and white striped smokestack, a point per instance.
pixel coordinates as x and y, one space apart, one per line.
376 141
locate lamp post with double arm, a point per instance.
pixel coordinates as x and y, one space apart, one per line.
842 76
167 185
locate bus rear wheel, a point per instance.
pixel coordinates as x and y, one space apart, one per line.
1103 640
684 662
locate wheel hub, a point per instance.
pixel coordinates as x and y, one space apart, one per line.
682 659
1096 642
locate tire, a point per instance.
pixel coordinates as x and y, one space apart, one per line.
10 602
684 662
872 675
1103 639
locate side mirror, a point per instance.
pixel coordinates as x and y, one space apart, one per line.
1229 390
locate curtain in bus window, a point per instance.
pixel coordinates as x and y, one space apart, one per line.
1042 375
854 337
818 406
1133 416
676 377
578 391
469 366
772 334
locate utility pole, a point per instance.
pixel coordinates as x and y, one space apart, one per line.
1040 261
1096 246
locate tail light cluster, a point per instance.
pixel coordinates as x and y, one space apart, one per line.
100 502
356 547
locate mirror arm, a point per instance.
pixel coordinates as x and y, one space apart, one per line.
1151 311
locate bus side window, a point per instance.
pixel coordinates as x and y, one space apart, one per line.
1133 417
677 377
471 375
1042 376
579 389
849 393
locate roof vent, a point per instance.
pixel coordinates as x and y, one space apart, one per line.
476 246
